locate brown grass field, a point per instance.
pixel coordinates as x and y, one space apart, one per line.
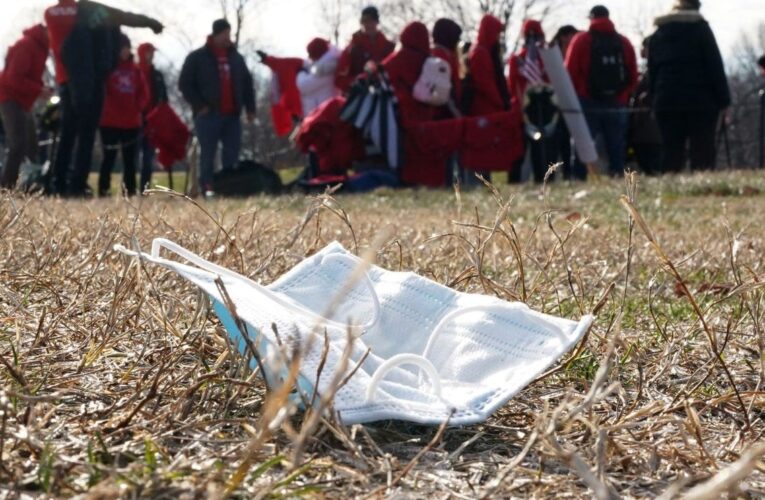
117 380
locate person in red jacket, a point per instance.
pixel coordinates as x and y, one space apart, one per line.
404 68
446 41
423 164
603 67
488 87
21 84
126 99
367 44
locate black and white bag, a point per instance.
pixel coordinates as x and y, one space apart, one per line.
372 108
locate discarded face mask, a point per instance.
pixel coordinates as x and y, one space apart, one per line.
475 351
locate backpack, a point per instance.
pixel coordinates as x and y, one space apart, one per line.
249 178
608 70
434 86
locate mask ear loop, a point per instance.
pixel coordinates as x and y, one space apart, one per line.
404 359
205 265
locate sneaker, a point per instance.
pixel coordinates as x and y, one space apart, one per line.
207 192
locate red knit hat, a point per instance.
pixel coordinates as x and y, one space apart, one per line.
317 48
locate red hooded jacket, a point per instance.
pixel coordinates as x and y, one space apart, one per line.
359 52
60 20
286 102
21 80
488 98
578 60
337 144
126 97
404 68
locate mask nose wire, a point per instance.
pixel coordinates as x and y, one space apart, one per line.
162 243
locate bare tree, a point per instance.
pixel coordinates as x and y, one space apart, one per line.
235 9
746 82
332 14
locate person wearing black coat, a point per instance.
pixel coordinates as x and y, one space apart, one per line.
217 84
89 53
689 87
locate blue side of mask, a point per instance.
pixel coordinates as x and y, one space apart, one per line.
265 351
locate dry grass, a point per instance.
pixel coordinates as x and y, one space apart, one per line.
117 380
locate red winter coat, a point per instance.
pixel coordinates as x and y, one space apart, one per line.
451 57
21 79
126 97
359 52
60 21
578 60
428 147
336 143
491 142
167 132
286 102
488 98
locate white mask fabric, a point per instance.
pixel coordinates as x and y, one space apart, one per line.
421 352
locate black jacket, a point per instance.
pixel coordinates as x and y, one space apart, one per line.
200 83
158 88
685 65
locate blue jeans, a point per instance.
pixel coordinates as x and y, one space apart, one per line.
211 129
609 119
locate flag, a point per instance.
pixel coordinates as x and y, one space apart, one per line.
532 67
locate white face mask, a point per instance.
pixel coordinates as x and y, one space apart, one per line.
475 351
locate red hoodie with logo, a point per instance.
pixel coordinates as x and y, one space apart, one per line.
126 97
21 79
579 60
60 20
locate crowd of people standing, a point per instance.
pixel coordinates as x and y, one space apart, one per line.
457 106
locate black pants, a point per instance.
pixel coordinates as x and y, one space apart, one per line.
543 153
147 161
114 140
688 130
78 128
21 139
648 157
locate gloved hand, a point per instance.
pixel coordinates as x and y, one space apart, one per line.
156 26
